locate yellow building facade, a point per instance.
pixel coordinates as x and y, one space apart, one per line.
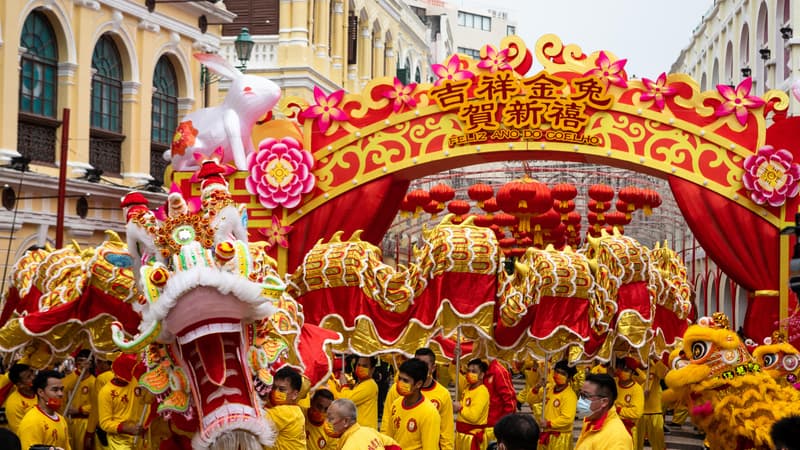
125 74
333 44
124 70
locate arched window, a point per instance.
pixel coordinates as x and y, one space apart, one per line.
417 76
715 74
784 36
164 116
744 46
37 89
106 117
729 63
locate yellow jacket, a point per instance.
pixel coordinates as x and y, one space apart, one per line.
290 423
365 396
38 428
605 433
360 438
17 406
630 401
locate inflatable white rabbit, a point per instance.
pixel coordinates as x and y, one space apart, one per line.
228 125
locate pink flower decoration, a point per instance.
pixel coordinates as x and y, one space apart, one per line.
495 60
326 110
738 101
276 233
611 73
770 176
280 172
657 90
450 71
401 95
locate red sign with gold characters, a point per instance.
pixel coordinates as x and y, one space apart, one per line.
500 106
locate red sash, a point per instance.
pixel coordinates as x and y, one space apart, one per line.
476 431
544 438
629 424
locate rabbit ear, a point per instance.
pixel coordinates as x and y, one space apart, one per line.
218 65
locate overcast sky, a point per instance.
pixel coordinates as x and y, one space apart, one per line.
649 33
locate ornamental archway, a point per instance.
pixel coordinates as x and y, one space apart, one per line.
579 107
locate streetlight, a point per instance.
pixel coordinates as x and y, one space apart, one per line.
244 48
243 45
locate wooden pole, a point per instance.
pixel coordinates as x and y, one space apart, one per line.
62 177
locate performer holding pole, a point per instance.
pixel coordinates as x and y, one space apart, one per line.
80 385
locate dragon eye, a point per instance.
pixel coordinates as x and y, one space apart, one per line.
679 363
770 359
790 362
699 350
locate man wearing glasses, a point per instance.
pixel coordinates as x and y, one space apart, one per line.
602 427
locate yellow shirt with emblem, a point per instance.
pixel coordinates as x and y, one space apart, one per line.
316 439
290 423
440 397
17 406
630 401
118 404
363 438
416 427
39 428
365 396
83 402
475 406
560 409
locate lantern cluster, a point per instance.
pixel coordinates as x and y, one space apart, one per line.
527 213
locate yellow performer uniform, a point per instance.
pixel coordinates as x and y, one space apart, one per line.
290 424
630 404
78 422
437 394
117 405
17 406
559 416
39 428
99 381
472 419
316 438
606 433
365 396
361 438
651 424
416 427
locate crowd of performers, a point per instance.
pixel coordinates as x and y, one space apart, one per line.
367 403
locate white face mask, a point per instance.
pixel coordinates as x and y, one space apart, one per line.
584 408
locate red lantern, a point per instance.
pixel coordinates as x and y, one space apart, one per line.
525 242
418 198
652 199
564 192
630 195
432 208
459 207
573 220
498 231
480 193
505 220
482 220
442 193
490 205
617 219
563 208
602 194
506 242
406 207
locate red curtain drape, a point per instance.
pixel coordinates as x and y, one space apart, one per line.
370 208
745 246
